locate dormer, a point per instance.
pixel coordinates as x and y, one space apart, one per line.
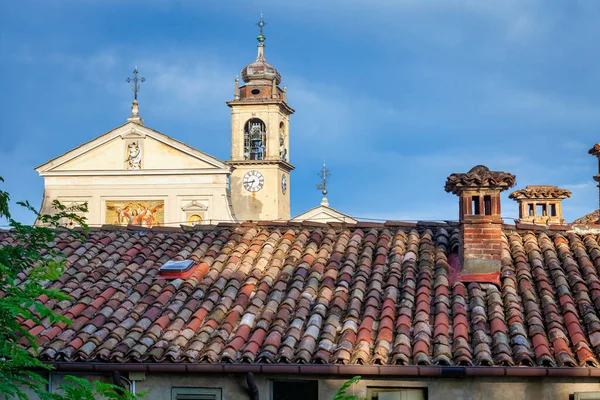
540 204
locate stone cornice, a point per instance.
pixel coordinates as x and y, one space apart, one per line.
207 171
282 104
283 164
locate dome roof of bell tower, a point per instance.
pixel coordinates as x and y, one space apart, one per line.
260 71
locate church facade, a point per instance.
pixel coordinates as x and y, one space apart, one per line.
134 175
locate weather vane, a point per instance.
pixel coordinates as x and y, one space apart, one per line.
324 174
136 82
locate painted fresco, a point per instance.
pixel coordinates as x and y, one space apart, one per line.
146 213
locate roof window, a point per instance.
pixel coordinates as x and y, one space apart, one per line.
176 269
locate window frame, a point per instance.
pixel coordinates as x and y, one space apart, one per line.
423 389
272 386
217 392
586 395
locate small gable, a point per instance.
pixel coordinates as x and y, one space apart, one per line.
324 214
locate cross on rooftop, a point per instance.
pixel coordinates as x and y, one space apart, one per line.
261 23
136 83
261 38
324 174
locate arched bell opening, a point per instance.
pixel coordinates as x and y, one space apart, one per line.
255 140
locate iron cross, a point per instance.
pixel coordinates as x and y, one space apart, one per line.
136 82
324 174
261 23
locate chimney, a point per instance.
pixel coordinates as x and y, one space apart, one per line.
595 151
480 223
540 205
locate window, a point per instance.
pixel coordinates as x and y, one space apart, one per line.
255 140
475 205
487 205
586 396
531 210
391 393
295 390
196 394
541 210
553 210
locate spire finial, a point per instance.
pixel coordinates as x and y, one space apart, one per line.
324 174
261 23
135 87
236 92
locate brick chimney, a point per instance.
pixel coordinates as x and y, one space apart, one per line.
479 217
540 205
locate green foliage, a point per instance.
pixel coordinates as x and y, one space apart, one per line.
24 268
341 393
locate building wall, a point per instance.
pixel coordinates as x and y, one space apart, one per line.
269 203
177 191
502 388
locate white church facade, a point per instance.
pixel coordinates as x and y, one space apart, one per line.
134 175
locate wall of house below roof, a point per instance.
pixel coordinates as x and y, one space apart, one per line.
233 385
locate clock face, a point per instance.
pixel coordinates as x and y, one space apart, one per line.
253 181
283 184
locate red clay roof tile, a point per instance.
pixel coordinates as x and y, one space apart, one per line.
369 293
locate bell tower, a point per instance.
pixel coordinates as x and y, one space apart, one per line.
260 181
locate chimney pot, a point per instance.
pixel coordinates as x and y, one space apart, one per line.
480 221
540 204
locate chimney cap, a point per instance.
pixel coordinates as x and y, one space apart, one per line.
479 177
540 192
595 151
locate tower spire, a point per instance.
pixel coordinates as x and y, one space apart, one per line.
261 39
135 87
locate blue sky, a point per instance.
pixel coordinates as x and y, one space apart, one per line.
393 95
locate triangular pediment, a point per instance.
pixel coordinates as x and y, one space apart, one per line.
194 206
324 214
110 153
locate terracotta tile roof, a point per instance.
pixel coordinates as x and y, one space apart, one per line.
591 218
377 294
